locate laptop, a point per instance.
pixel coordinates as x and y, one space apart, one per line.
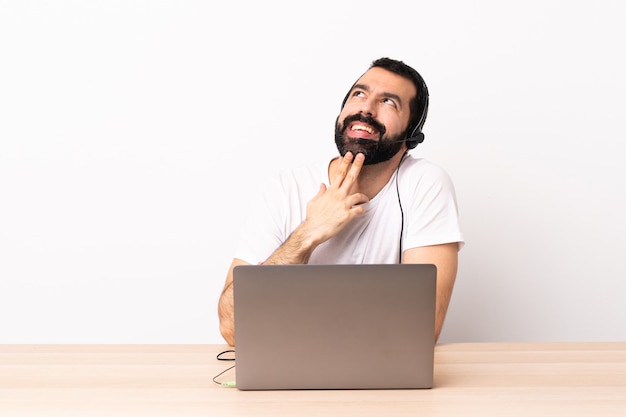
334 326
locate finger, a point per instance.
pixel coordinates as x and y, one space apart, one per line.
342 169
356 211
357 199
355 169
321 191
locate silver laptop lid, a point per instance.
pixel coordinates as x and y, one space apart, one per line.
334 326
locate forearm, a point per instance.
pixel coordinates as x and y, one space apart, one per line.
445 257
328 213
226 313
225 305
446 276
444 293
297 249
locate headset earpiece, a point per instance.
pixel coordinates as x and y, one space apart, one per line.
415 138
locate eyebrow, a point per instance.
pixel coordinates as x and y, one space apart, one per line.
386 95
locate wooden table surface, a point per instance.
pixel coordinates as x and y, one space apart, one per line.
471 379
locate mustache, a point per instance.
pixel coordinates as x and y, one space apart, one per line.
365 119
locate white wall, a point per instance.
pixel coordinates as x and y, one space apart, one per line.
132 132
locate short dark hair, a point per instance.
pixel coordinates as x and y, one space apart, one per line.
419 105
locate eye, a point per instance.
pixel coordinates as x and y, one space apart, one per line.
390 102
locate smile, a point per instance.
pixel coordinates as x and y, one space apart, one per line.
365 128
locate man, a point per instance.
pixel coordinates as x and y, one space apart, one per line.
372 204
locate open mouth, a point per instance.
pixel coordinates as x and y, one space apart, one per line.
363 126
356 127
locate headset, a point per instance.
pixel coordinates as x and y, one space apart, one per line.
415 136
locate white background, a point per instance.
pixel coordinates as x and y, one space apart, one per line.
133 132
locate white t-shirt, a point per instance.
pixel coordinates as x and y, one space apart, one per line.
420 192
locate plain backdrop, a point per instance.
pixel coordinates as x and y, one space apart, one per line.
133 132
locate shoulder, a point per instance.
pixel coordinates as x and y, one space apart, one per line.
300 178
422 170
303 173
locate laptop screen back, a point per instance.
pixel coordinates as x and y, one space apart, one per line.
334 326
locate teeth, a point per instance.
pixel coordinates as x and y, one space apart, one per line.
361 127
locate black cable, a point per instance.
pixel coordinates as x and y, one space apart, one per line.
221 358
401 210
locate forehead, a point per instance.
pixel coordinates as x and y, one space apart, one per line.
379 80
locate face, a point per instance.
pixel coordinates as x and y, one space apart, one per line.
375 116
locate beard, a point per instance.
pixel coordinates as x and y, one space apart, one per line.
375 151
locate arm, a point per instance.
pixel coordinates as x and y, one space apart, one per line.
445 257
225 309
327 213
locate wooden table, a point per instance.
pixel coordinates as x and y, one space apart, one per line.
471 379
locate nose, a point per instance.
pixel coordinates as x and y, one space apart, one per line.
367 107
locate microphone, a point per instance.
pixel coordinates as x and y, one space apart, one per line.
362 141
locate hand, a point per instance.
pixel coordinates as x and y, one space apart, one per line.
335 206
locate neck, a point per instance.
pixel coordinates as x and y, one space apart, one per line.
373 178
